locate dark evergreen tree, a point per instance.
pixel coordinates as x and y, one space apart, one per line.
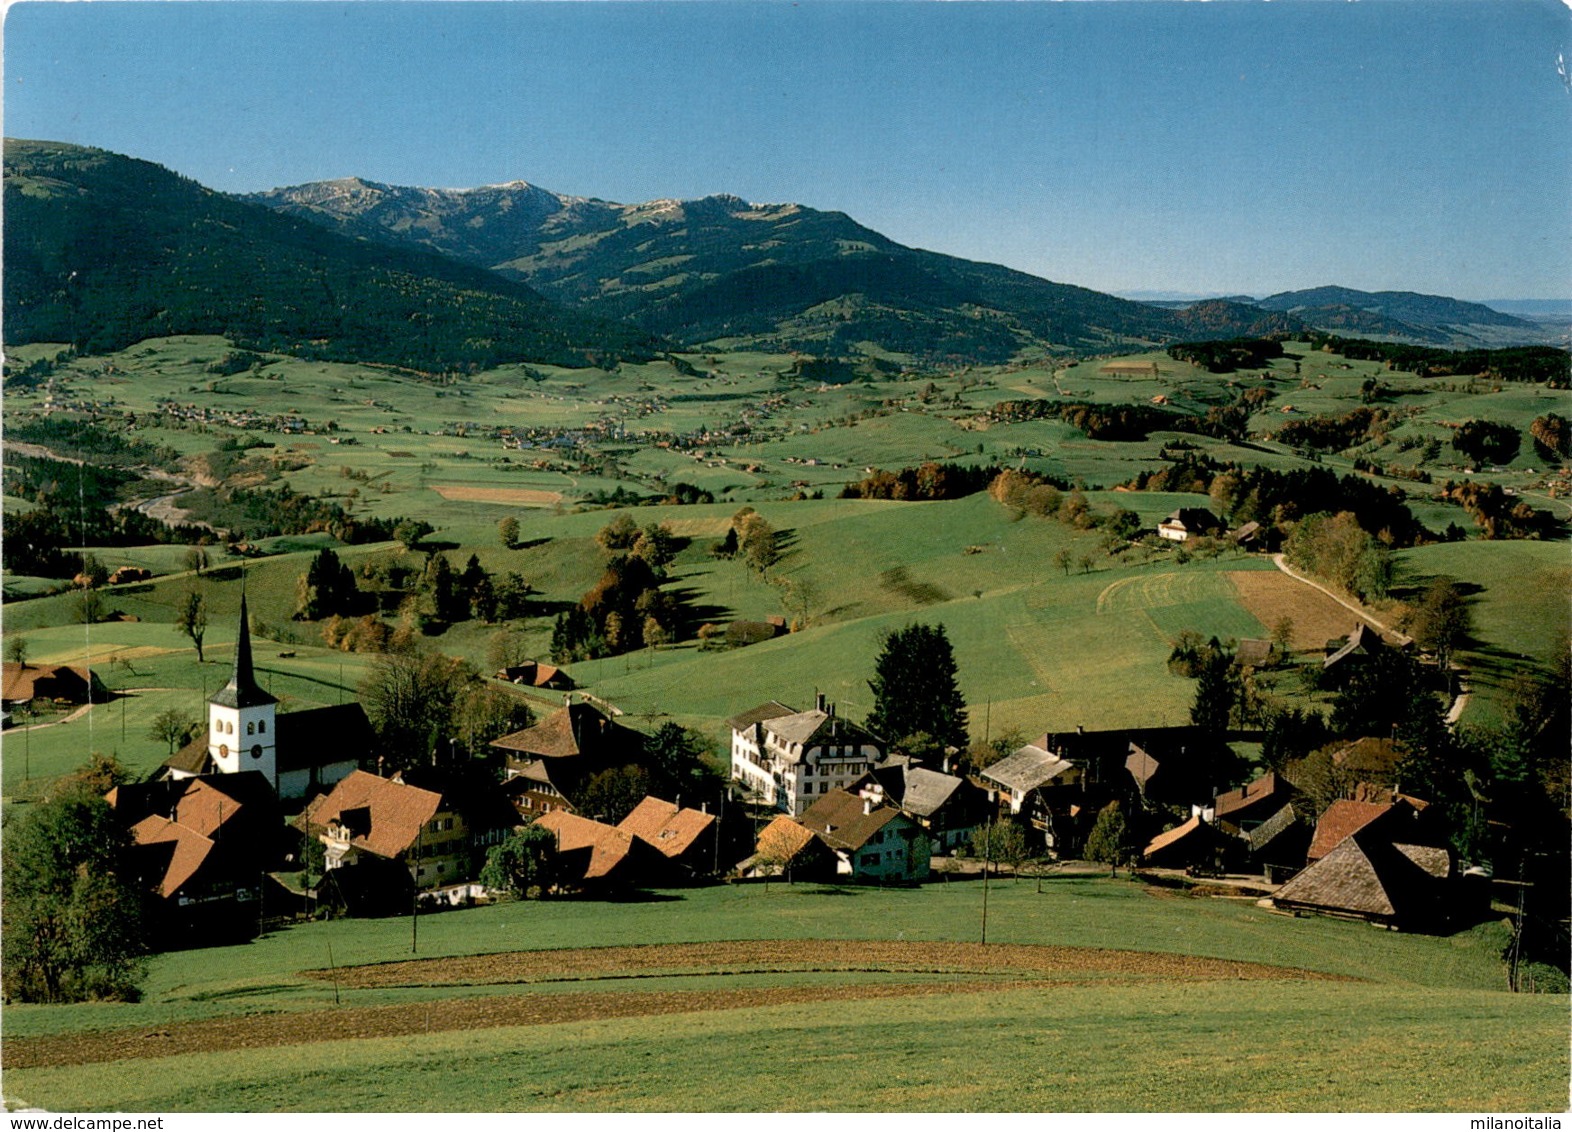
915 688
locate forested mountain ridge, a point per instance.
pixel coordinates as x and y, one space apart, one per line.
722 269
103 250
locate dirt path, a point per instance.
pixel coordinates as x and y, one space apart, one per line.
993 968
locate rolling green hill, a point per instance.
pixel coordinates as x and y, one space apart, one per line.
102 251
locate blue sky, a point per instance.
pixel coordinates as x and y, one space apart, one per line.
1236 146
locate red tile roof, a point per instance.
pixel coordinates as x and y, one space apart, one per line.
609 846
190 850
1341 819
397 812
666 826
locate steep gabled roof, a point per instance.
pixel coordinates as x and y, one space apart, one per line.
1267 792
665 825
845 821
1172 837
396 812
1342 819
609 847
1274 827
188 849
571 732
927 790
772 710
1027 768
1363 641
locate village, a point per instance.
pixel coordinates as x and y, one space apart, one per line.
269 817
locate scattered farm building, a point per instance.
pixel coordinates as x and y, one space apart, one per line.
1189 522
57 683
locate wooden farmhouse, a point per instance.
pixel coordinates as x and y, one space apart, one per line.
549 763
383 837
203 848
55 683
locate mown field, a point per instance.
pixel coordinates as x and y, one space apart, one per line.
679 1009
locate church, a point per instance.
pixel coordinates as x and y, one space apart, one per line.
300 753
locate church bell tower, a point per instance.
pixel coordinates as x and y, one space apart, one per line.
241 717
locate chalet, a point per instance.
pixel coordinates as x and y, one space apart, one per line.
595 856
1189 522
1390 870
872 842
788 758
1249 535
1241 810
1041 786
300 753
203 848
533 674
947 807
59 683
548 763
684 837
401 835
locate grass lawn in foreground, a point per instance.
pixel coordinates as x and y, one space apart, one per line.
1425 1026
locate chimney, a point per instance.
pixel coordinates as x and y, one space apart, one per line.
946 764
818 701
1079 729
832 711
867 805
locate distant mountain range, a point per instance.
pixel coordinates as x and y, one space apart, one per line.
776 276
104 250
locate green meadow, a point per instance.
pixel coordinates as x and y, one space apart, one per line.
1449 1037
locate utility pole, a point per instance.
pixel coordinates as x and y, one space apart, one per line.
987 860
414 899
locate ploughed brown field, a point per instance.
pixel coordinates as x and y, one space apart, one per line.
1271 596
987 968
523 496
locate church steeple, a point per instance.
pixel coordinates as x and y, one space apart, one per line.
242 690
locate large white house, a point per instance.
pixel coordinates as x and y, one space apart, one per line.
788 758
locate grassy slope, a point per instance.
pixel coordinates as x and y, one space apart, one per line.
1432 1006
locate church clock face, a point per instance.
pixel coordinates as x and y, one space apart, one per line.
256 750
223 750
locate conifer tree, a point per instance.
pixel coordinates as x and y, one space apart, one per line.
915 688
